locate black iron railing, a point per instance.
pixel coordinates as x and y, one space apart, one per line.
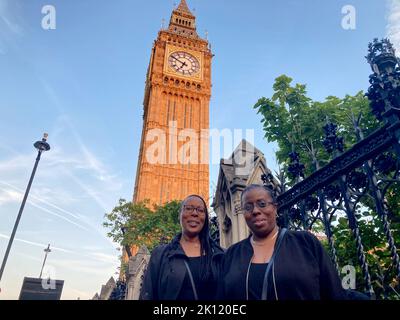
357 183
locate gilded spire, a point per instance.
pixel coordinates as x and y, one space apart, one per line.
183 22
183 7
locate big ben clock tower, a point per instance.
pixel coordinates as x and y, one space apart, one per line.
173 158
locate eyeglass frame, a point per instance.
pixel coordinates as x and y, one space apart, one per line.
268 204
194 208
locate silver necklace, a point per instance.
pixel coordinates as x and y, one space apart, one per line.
253 242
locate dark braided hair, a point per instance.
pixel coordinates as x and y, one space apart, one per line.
205 243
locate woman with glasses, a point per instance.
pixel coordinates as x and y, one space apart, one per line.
188 267
273 263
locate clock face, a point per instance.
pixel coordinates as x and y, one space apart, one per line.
184 63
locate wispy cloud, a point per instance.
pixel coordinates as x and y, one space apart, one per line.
36 244
393 26
16 162
72 180
82 158
7 196
58 158
58 216
11 25
93 163
108 258
10 17
44 201
91 257
86 266
16 196
99 171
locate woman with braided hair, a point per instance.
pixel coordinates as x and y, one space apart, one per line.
188 267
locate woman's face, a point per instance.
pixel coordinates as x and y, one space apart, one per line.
259 211
193 216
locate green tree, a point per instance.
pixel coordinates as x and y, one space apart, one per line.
134 224
295 122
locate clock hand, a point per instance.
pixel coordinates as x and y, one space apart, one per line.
183 63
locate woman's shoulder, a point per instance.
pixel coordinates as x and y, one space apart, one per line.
306 240
301 234
159 250
237 246
306 237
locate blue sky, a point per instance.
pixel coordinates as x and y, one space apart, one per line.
83 83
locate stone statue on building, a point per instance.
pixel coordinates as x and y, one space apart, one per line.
137 266
106 290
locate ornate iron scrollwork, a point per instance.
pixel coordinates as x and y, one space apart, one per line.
332 192
384 164
295 168
311 204
332 142
357 180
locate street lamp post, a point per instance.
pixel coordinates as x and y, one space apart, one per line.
47 250
41 146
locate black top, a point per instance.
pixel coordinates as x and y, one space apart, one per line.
256 279
186 292
302 270
166 273
203 288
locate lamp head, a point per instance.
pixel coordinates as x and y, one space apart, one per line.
42 145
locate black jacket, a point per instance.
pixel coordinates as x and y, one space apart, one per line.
166 271
302 271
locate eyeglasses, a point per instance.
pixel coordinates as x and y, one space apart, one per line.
190 209
261 204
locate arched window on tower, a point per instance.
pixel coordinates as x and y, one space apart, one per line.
190 116
173 111
168 111
185 116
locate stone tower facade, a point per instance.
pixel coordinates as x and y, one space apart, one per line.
173 157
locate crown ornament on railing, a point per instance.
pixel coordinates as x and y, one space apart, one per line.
380 52
295 168
332 142
384 92
270 184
